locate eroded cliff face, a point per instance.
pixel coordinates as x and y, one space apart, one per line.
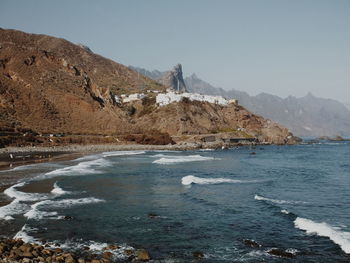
49 85
173 79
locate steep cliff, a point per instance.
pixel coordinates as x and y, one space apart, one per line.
173 79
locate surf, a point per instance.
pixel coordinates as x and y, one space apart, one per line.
339 237
182 159
277 201
190 179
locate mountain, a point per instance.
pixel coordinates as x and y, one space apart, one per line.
51 86
306 116
172 79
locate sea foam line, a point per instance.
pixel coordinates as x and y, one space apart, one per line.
122 153
78 169
276 201
17 206
340 238
190 179
182 159
36 214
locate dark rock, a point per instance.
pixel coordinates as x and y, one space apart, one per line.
251 243
198 254
68 218
280 253
131 110
152 215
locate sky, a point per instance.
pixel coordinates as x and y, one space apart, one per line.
274 46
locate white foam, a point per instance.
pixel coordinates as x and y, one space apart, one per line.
13 208
284 211
23 196
293 251
182 159
86 167
69 202
23 234
58 190
122 153
97 246
17 206
340 238
190 179
276 201
37 213
118 253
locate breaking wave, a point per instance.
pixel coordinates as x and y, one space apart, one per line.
17 206
37 214
121 153
24 235
182 159
276 201
22 196
87 167
340 238
58 190
190 179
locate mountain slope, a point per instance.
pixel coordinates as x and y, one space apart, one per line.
51 85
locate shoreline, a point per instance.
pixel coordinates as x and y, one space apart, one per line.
16 156
11 157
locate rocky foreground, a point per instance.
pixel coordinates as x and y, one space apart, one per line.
15 250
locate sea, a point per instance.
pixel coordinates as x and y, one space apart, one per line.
234 205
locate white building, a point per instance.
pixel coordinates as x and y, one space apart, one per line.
132 97
166 98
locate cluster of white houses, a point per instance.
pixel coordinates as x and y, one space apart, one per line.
163 99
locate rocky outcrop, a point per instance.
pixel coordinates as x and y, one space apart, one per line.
173 79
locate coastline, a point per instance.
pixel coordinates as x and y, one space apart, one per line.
11 157
16 156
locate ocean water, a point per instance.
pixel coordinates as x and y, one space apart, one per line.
294 198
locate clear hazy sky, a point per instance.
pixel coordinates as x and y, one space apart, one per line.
275 46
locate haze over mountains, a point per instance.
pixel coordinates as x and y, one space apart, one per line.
305 116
